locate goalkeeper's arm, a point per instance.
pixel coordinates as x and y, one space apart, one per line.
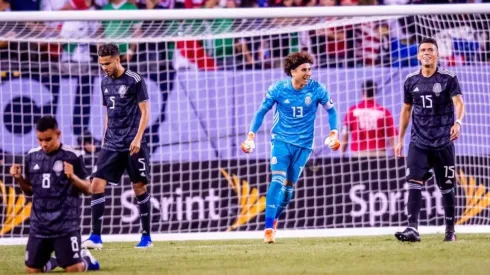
332 141
248 145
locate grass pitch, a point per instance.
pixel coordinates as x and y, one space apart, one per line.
360 255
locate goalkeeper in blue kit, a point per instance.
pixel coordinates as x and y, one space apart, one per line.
296 99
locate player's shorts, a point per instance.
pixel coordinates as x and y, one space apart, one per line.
66 249
289 158
111 165
442 161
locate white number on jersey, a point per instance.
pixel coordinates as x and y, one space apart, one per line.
297 111
46 181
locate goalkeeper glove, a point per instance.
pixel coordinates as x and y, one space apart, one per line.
248 145
332 141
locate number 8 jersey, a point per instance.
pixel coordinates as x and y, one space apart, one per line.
433 109
121 96
55 200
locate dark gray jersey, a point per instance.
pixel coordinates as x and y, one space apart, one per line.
121 97
55 200
433 110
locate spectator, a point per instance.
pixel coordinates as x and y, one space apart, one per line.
24 5
122 29
370 125
4 45
155 4
329 44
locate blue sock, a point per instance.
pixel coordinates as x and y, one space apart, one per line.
89 266
272 199
285 197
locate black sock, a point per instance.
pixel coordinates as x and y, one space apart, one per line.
448 201
414 204
51 264
97 205
144 204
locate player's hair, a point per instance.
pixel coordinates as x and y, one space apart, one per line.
45 123
293 60
370 88
108 50
430 41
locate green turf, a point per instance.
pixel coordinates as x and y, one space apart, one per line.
360 255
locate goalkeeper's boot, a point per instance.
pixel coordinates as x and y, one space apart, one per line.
450 236
410 234
93 242
145 242
269 235
90 262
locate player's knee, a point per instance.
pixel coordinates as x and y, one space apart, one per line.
415 185
33 270
288 182
279 178
97 186
139 188
80 267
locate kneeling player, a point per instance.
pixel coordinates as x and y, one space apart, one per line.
55 176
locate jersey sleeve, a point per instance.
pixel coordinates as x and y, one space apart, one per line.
454 88
407 96
141 90
269 101
27 162
270 97
325 98
79 168
102 92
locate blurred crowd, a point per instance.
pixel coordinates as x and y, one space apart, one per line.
377 43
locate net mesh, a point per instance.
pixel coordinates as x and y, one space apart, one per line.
206 79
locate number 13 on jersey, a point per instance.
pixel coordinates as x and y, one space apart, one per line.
297 111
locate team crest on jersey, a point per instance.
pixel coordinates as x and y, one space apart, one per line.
308 100
58 167
122 91
437 88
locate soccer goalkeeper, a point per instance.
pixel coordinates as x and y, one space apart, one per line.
297 99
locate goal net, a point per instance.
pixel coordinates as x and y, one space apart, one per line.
206 78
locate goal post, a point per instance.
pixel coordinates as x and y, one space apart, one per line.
207 72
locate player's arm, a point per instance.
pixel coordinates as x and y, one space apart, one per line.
248 145
458 103
24 183
144 106
404 118
332 140
78 175
345 133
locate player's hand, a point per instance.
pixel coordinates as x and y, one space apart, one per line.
455 130
332 141
249 144
16 171
69 172
135 146
399 149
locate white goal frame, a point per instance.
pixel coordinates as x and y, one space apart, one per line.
401 10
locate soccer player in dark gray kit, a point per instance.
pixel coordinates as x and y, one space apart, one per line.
124 145
55 176
432 96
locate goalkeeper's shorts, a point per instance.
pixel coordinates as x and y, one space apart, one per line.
289 158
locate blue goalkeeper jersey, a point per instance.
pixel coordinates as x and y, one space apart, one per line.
294 117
